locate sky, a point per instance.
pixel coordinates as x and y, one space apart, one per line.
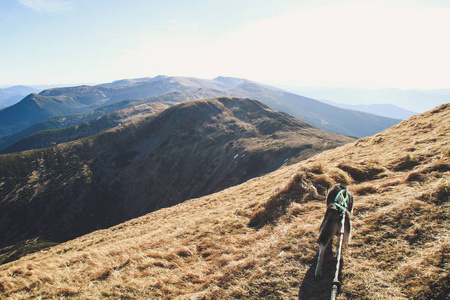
358 44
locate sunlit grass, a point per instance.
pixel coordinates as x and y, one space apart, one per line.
205 249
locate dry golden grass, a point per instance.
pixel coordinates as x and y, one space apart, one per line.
206 249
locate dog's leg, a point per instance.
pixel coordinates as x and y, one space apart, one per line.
320 259
322 248
347 236
329 228
348 230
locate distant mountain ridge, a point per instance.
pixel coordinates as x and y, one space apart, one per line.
60 101
220 82
69 100
186 151
36 108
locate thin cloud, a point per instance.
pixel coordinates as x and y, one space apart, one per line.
176 26
358 45
48 6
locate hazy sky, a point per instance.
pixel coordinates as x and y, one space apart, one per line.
402 44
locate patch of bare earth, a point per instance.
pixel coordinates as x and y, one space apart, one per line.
258 240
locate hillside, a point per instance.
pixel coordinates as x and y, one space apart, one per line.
46 138
69 100
324 116
98 120
189 150
205 248
36 108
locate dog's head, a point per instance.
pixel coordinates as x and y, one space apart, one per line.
339 190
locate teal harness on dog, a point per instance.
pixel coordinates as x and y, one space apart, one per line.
342 205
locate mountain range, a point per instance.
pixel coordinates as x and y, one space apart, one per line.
256 240
166 157
38 111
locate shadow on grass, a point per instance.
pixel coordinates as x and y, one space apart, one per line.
313 287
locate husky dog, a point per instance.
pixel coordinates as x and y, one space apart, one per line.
339 200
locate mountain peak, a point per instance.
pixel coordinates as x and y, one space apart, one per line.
229 82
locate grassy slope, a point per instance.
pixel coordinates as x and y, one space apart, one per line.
319 114
205 249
